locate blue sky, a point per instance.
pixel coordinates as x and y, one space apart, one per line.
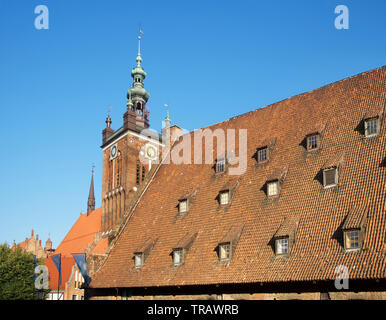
209 60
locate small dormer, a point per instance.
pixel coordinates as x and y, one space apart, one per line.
185 201
227 192
141 254
354 228
221 165
331 171
181 249
284 237
313 138
372 121
275 181
227 245
264 151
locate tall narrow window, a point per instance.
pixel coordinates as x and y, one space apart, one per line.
138 174
371 127
143 173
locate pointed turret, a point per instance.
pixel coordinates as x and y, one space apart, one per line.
91 197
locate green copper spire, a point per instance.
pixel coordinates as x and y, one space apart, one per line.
137 95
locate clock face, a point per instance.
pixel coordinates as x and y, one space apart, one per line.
113 151
151 152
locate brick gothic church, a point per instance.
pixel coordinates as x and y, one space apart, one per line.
308 211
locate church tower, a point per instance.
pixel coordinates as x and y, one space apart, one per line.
124 150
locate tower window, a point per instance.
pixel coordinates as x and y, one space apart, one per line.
225 251
272 188
282 246
351 239
138 174
143 173
138 259
371 127
330 177
262 155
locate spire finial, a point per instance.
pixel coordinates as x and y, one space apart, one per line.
108 119
167 118
139 59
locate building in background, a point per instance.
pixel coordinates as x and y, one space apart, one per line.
34 246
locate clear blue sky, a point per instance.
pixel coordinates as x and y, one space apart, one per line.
209 60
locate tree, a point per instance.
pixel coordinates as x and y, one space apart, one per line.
16 274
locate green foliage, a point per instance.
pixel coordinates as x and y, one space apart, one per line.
16 274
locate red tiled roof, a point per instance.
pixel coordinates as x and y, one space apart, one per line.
316 252
81 234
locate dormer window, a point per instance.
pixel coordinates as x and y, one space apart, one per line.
273 188
312 142
285 235
225 251
224 197
275 181
220 165
141 254
371 127
262 155
138 259
282 246
182 248
178 256
330 177
228 243
354 228
183 206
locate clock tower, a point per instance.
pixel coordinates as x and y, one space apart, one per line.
129 153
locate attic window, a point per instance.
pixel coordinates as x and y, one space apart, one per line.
220 165
262 155
312 142
371 127
282 246
330 177
138 259
183 206
225 251
273 188
224 197
178 256
351 240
